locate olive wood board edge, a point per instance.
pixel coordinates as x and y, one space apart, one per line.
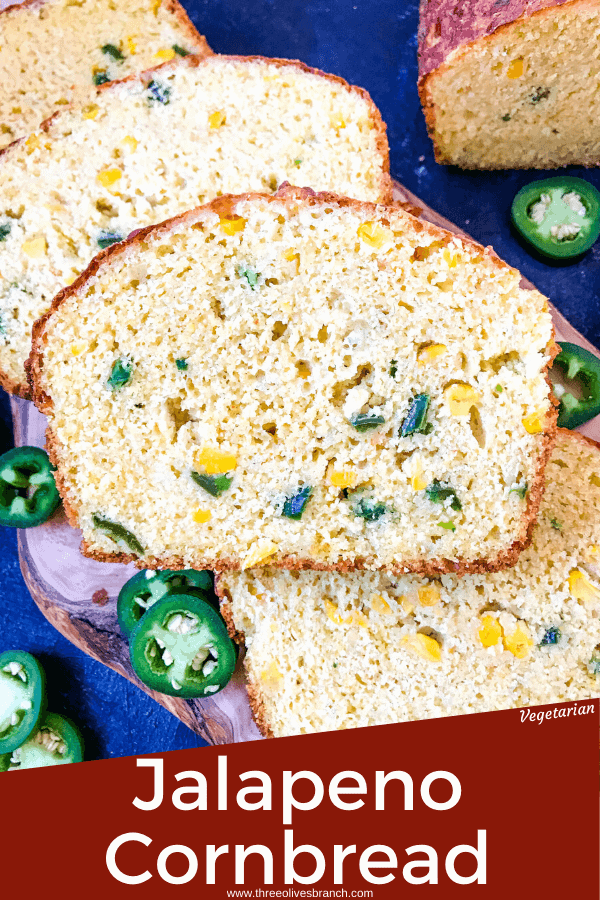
62 582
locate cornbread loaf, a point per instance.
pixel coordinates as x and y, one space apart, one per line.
326 651
300 380
511 83
157 145
53 52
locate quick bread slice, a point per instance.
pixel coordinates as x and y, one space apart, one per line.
300 380
511 84
55 52
327 651
157 145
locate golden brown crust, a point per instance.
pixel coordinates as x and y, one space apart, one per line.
583 438
53 449
19 7
254 694
255 699
258 708
179 13
385 184
458 52
171 6
201 52
445 25
17 388
226 206
195 60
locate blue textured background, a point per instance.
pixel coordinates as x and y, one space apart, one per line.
371 43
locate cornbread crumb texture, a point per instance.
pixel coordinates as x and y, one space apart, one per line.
98 172
301 380
538 61
325 651
57 51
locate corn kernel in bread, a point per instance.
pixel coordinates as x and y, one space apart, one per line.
53 52
367 649
285 392
157 145
512 85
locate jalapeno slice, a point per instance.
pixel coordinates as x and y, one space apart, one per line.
574 364
55 743
22 698
28 494
181 647
147 587
559 216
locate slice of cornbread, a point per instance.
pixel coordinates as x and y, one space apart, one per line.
53 52
327 651
299 380
157 145
511 83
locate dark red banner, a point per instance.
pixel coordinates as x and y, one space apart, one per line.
507 801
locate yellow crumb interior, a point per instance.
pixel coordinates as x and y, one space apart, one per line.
251 364
52 53
145 151
544 77
326 651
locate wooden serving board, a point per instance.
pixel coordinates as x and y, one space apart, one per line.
65 585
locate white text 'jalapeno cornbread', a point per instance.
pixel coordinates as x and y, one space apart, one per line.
325 651
162 143
299 380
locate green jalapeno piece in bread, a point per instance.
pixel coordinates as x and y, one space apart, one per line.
120 374
551 636
415 421
582 368
149 586
366 421
438 492
108 238
55 743
100 77
28 493
22 698
295 505
118 534
181 647
559 216
367 508
215 485
113 51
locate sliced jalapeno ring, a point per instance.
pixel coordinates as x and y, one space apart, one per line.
181 647
22 698
28 493
581 368
147 587
559 216
55 743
